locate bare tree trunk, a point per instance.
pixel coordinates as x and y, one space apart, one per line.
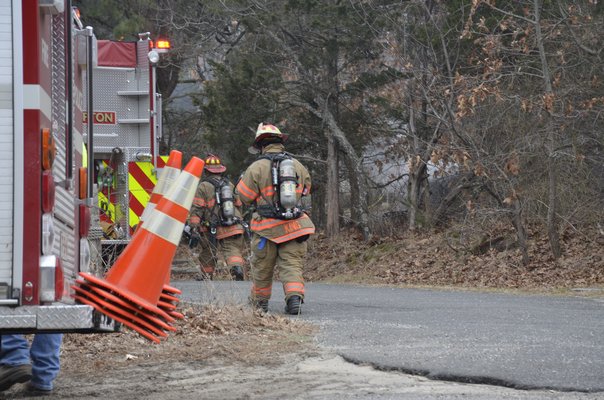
333 184
354 192
413 198
332 227
552 220
415 171
517 222
357 175
520 231
552 223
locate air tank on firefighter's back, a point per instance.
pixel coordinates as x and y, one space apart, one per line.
226 199
287 186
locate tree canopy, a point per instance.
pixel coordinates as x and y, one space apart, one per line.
409 113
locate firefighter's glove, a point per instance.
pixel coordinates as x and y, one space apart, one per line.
195 236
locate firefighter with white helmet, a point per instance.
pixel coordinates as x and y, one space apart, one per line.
275 184
216 222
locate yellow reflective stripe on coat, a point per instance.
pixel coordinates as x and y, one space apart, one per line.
293 235
223 232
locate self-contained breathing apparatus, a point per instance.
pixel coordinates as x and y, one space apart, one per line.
225 200
284 180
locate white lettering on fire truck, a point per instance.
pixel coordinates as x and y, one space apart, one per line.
102 117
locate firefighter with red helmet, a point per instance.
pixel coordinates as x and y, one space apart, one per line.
215 221
275 183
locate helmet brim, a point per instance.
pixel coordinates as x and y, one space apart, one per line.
283 137
215 169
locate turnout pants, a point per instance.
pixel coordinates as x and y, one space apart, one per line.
231 248
288 257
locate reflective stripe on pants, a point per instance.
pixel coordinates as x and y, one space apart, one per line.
288 257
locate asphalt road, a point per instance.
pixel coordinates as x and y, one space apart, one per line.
523 342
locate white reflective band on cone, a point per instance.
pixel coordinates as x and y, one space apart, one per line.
164 226
147 212
167 178
165 181
181 193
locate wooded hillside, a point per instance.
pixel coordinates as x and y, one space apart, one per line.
460 115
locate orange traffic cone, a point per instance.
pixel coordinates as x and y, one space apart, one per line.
131 289
166 178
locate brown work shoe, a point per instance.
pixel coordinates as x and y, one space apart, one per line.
34 391
11 374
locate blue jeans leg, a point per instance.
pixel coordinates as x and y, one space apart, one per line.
14 350
45 351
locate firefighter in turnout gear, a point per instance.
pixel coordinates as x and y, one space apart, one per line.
215 221
275 184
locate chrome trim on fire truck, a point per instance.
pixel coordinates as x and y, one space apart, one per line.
121 69
18 144
133 93
133 121
56 317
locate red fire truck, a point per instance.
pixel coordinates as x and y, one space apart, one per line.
47 192
127 132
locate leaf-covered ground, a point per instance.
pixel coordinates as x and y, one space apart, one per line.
234 333
437 259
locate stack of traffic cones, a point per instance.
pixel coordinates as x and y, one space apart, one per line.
132 289
168 300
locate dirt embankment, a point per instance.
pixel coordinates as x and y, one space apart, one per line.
437 259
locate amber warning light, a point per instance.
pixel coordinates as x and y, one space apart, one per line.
161 45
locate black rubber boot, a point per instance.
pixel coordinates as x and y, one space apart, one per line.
237 273
258 304
204 276
261 304
293 305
